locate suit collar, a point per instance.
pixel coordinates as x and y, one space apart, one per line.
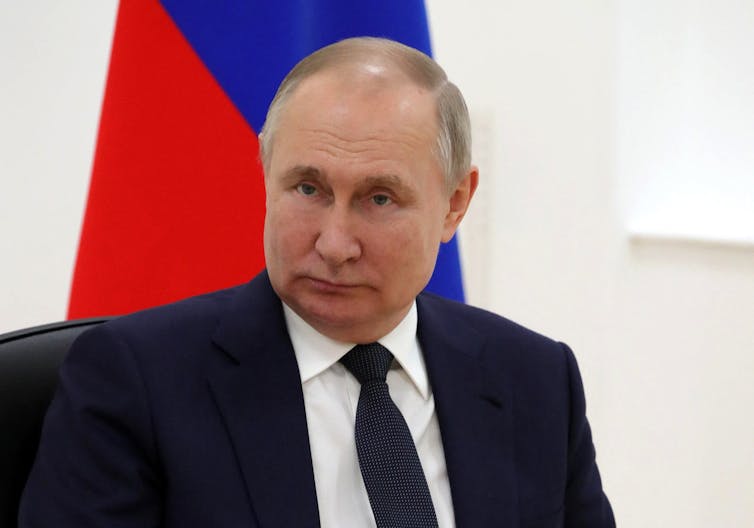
257 388
474 409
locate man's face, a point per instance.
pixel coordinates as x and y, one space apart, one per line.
356 202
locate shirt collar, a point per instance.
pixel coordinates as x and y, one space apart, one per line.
316 352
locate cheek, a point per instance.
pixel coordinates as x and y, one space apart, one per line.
284 231
408 246
289 239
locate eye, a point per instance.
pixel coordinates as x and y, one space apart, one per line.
381 199
307 189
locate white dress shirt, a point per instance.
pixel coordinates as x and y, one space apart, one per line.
331 394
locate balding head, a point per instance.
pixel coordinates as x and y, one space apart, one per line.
386 61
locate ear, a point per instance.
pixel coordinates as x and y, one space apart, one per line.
460 199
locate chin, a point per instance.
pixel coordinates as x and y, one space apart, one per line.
336 315
338 320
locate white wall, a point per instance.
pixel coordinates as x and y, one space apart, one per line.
662 328
686 118
53 64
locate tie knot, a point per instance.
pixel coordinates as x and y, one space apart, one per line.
368 362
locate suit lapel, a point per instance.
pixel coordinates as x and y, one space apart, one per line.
474 409
257 387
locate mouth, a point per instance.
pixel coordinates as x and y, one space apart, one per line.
326 286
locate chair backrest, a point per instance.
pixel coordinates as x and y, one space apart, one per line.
29 361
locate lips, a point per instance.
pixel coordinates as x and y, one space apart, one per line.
329 286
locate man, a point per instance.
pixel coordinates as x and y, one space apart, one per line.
246 407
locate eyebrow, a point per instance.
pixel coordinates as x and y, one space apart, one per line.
384 180
299 171
390 181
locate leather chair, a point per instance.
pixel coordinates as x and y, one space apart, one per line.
29 361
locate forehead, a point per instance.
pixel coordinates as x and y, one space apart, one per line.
360 104
356 123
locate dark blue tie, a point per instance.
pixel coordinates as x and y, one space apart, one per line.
388 460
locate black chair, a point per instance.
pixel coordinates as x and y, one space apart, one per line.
29 361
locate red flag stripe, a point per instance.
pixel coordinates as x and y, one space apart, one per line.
172 152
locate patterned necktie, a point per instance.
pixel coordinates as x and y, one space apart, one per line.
388 460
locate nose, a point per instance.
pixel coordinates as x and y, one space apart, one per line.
336 242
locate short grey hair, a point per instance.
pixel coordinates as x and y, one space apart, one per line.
453 147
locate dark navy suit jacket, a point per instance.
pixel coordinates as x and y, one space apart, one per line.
192 414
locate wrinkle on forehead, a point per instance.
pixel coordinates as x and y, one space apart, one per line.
365 114
368 141
364 104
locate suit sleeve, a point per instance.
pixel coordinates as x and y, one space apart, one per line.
586 505
97 463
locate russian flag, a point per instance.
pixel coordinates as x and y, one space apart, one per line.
176 199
